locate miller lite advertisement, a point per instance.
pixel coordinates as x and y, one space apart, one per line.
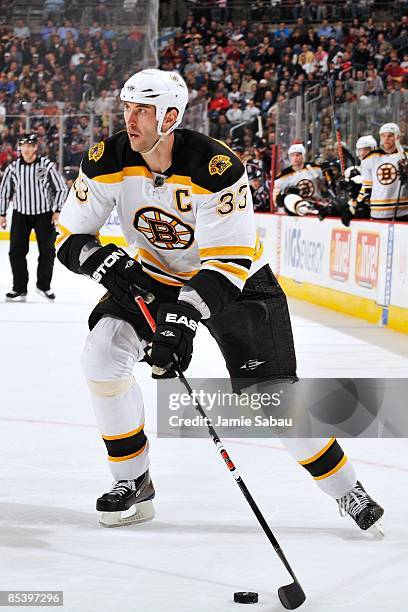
367 255
340 245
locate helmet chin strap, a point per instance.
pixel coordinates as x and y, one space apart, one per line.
154 147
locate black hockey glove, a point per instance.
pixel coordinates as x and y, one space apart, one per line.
122 276
176 327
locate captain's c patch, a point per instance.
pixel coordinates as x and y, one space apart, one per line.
219 164
96 151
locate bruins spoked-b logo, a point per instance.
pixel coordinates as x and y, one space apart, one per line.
96 151
306 188
386 174
162 230
219 164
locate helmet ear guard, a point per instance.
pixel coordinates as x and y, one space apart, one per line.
158 88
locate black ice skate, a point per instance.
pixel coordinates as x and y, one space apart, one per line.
135 495
48 293
16 296
364 510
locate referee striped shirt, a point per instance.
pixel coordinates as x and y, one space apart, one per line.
34 188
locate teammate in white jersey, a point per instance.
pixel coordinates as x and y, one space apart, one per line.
384 177
183 201
306 180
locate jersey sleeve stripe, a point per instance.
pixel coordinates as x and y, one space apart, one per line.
219 251
162 278
169 275
244 263
149 257
232 269
389 201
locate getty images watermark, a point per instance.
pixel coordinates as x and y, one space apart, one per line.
224 400
310 408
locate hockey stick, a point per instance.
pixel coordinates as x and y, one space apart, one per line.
291 595
336 125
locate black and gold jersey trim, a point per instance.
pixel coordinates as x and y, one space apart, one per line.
329 460
208 165
285 172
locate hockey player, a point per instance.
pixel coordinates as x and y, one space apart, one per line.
351 184
260 195
307 180
384 174
364 146
183 200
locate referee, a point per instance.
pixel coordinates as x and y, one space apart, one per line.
38 191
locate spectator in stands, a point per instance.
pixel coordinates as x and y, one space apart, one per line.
325 29
221 128
20 30
219 103
250 112
234 114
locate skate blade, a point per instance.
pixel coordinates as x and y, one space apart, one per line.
22 298
141 513
377 530
52 301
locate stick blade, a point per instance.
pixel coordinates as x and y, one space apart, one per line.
291 596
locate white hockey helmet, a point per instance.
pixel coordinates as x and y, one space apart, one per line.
392 128
366 142
162 89
297 147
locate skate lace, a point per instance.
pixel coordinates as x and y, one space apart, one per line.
121 487
353 502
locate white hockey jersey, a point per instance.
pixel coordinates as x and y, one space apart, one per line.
308 181
197 216
380 181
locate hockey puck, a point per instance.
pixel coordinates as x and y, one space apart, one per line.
246 597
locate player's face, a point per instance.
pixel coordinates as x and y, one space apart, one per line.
28 152
363 152
388 141
296 159
141 125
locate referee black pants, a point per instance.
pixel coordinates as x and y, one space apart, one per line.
21 226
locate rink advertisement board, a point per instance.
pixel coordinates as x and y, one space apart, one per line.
361 270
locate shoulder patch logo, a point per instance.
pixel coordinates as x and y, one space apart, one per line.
219 164
96 151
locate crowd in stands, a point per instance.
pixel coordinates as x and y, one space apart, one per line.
242 70
245 72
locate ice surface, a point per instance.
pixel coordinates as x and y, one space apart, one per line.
205 544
